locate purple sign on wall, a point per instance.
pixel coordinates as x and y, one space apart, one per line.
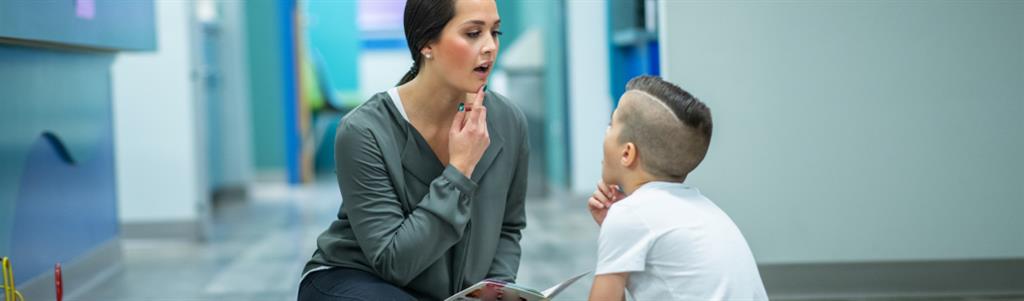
85 9
381 16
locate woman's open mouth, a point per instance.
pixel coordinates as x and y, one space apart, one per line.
483 69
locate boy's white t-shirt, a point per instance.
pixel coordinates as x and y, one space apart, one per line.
677 245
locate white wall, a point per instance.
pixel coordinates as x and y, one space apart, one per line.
589 94
158 175
859 131
380 70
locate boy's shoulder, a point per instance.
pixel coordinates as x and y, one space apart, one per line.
623 218
660 207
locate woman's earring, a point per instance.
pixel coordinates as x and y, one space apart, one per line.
428 56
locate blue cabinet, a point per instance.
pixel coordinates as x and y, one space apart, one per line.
633 35
101 24
57 181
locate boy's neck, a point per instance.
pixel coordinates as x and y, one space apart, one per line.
631 184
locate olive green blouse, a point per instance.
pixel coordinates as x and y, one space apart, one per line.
416 223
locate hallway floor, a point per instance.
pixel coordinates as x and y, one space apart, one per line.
257 248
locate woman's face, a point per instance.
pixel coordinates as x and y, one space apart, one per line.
465 53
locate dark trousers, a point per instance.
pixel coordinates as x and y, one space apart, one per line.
339 284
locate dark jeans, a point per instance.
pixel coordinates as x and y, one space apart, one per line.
339 284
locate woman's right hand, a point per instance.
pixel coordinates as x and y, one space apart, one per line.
468 137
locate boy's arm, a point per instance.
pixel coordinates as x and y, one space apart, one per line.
609 287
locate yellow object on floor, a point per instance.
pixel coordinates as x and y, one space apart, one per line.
10 293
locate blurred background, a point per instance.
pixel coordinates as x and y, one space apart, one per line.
183 149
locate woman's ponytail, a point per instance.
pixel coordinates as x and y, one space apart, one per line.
411 74
424 20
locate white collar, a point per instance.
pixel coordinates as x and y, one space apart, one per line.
397 100
661 185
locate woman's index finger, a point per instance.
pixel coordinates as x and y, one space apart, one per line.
479 100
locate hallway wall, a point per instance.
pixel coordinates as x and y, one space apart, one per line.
590 104
160 171
860 131
263 40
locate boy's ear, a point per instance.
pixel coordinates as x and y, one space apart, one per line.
629 155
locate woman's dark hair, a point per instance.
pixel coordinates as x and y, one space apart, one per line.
424 21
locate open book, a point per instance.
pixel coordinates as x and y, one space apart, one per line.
489 289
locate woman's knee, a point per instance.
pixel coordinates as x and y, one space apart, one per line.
348 284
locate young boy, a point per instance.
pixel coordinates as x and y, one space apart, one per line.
659 238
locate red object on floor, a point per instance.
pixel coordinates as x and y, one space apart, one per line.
58 282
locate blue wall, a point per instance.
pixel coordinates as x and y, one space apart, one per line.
518 17
333 37
264 37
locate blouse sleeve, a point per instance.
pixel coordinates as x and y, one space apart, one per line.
398 246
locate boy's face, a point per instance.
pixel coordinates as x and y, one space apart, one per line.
611 165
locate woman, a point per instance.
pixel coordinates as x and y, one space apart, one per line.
432 173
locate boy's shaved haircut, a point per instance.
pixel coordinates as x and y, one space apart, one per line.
670 128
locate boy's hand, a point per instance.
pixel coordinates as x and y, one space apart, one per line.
603 198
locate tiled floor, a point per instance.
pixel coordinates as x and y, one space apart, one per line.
258 247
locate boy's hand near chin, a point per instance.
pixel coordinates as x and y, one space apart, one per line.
602 200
